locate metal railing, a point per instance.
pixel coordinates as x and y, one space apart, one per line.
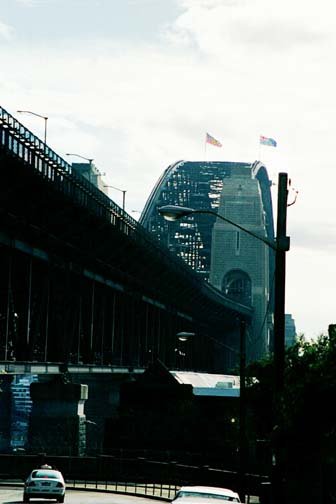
21 143
137 476
157 490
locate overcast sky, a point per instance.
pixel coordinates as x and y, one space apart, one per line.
135 84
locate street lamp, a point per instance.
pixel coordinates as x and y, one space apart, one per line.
38 115
280 245
90 160
184 336
181 350
174 212
123 191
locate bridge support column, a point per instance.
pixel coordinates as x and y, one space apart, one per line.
102 405
57 423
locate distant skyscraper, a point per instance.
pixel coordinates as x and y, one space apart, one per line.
21 408
200 185
290 330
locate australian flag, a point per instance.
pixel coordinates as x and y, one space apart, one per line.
267 141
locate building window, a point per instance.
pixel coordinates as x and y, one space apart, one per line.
237 242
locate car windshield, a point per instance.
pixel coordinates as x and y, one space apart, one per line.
45 474
204 495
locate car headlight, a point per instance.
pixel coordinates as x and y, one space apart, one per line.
60 485
32 483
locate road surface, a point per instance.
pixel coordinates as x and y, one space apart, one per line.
14 496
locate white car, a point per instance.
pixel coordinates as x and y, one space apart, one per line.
44 484
205 494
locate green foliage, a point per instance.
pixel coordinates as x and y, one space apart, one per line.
308 426
310 386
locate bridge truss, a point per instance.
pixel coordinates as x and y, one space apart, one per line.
83 282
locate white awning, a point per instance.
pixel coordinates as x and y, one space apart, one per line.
208 384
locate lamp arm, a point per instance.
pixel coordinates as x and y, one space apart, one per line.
258 237
33 113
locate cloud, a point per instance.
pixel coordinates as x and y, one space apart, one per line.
314 236
6 31
234 68
32 3
214 24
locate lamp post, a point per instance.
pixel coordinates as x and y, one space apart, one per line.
183 337
90 160
280 246
242 408
123 191
38 115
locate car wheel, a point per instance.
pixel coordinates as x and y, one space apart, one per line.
61 499
25 498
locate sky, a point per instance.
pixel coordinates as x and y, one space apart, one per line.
136 84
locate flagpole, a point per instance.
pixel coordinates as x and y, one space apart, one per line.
259 150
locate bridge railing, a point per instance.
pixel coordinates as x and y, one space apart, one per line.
23 144
131 475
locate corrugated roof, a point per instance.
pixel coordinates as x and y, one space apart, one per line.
209 384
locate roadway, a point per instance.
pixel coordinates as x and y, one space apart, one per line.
11 495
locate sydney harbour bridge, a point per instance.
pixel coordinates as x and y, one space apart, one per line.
90 295
82 282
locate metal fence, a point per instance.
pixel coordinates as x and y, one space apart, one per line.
137 476
157 490
23 144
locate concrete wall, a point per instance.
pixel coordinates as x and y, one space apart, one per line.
57 423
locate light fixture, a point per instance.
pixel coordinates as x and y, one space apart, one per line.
184 335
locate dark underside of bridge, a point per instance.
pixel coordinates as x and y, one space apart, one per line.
80 286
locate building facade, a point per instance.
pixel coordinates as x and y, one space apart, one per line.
91 173
290 330
21 408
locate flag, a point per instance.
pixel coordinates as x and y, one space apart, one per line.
211 140
267 141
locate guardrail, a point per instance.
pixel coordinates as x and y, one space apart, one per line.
130 475
157 490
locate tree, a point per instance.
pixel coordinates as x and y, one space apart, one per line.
308 432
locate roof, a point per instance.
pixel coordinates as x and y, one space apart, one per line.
208 384
208 489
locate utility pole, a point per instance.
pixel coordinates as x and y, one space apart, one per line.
282 246
242 411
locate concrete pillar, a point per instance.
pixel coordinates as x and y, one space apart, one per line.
57 423
239 261
102 404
